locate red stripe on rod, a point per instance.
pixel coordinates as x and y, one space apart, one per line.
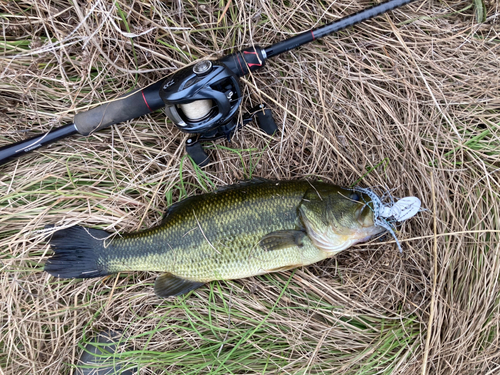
145 101
239 62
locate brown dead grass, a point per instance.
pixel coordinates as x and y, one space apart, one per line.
397 100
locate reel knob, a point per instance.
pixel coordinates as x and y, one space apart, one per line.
265 120
202 67
195 150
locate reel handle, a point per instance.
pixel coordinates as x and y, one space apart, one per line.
260 113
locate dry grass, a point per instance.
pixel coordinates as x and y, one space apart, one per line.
391 103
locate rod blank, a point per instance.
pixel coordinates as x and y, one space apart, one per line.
20 148
320 32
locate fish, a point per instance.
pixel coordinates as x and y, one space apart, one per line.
239 231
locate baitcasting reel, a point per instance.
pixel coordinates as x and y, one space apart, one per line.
202 99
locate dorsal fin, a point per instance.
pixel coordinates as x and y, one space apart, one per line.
242 184
175 207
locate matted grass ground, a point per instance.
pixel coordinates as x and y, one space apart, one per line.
409 101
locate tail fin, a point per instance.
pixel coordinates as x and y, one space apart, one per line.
78 253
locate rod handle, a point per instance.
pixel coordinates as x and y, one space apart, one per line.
131 105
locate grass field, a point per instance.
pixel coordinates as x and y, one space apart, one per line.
407 102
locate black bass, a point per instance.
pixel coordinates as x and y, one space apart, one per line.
240 231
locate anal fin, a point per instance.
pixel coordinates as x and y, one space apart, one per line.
168 285
284 268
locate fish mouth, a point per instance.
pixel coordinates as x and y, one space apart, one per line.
331 242
372 233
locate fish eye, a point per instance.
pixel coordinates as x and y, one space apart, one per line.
355 197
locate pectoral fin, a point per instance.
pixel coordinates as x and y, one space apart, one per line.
168 285
282 239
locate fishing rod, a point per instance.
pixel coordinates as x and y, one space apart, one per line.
201 99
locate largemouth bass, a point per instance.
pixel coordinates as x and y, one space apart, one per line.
240 231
